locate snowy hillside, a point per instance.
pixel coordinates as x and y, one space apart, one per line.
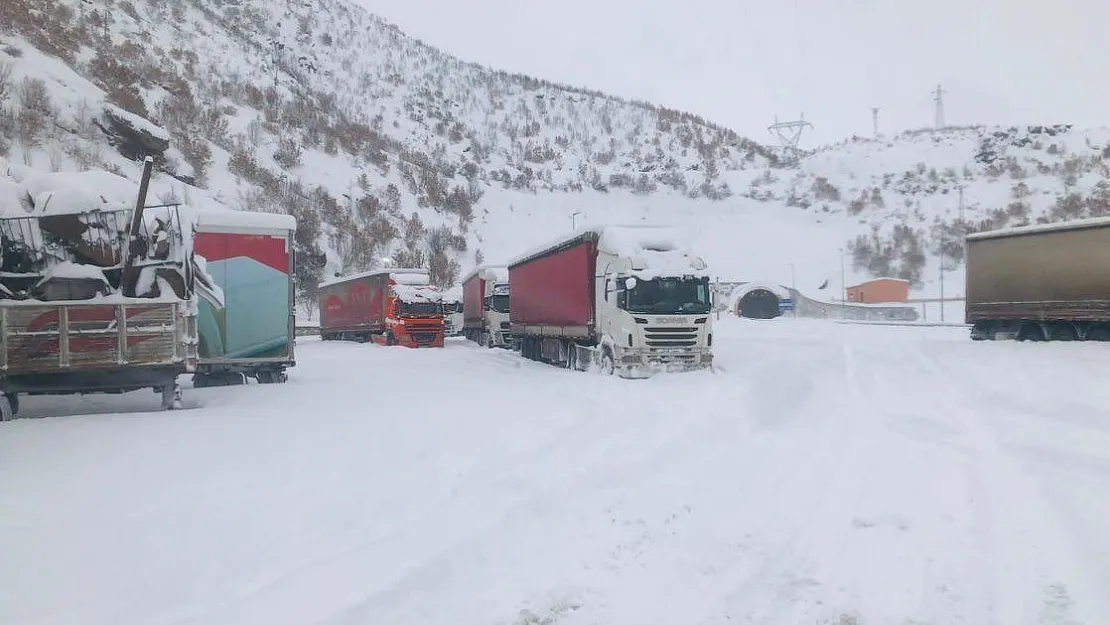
383 146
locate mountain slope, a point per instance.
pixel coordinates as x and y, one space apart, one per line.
386 148
323 110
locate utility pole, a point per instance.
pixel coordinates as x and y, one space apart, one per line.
942 276
843 282
938 97
793 291
961 190
875 122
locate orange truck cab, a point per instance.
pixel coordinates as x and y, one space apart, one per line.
415 314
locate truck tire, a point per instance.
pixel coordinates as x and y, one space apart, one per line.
389 340
607 366
171 396
9 406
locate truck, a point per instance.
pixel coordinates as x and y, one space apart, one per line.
453 310
622 299
250 258
396 306
486 306
96 297
1045 282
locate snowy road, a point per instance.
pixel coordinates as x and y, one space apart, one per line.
895 475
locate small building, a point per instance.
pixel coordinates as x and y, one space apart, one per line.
880 291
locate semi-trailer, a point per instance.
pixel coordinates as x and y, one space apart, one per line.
250 258
1046 282
629 299
486 306
396 306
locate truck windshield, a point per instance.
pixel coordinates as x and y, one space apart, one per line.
498 303
663 296
421 308
452 307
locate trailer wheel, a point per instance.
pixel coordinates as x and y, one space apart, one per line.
9 406
1100 333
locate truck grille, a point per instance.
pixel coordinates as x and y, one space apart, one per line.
423 338
504 325
667 337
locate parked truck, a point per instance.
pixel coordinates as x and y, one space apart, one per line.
250 258
387 306
453 310
627 298
1046 282
96 297
486 306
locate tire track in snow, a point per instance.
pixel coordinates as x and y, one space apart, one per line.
1029 544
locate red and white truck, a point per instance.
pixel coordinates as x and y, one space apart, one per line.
628 298
486 306
394 306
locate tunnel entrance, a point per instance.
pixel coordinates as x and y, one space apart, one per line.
758 304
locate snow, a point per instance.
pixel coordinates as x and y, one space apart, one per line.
227 218
416 293
409 276
137 123
64 193
893 475
497 273
1075 224
652 250
453 294
12 197
74 271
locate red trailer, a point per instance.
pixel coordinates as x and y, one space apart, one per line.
553 290
396 306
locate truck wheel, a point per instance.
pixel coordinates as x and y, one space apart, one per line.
389 340
608 365
487 340
171 396
9 406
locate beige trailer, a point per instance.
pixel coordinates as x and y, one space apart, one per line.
1043 282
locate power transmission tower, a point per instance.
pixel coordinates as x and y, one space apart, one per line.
875 121
938 97
789 134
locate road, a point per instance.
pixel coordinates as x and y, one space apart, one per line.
826 471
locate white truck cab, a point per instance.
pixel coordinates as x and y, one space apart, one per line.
654 304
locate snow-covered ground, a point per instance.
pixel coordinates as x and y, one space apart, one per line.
895 475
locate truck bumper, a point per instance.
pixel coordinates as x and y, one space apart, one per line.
664 361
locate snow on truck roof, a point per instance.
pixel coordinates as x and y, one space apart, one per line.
1063 226
654 250
229 218
416 294
400 275
500 273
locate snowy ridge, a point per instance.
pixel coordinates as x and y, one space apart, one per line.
443 167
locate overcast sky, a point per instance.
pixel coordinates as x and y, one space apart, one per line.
741 62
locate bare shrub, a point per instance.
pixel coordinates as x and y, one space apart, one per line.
288 153
35 108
